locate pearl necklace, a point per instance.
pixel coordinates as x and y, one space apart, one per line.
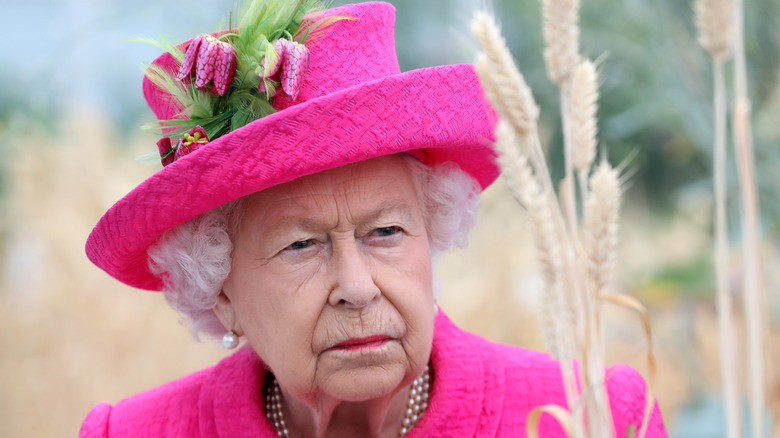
415 406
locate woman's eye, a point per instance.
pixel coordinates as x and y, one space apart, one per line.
301 244
386 231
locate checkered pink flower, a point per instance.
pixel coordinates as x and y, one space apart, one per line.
209 60
287 68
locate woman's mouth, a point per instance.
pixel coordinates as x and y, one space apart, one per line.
362 343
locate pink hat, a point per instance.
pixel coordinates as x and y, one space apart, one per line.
353 104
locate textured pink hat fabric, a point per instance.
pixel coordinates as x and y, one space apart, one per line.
354 105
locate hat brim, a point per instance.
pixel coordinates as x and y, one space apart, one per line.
437 114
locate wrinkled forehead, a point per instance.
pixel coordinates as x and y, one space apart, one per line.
365 189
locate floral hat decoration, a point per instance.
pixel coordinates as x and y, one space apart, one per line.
292 89
227 80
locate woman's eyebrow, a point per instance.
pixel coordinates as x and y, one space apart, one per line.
303 221
387 208
291 223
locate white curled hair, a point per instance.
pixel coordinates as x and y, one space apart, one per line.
194 258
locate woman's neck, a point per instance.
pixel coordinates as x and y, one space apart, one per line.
381 417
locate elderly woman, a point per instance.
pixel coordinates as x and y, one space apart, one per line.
306 187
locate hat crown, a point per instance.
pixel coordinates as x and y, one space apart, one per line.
338 59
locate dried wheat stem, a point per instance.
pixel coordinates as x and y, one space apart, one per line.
599 237
728 357
713 19
568 156
576 283
632 303
559 310
563 417
596 401
755 317
561 34
597 405
600 247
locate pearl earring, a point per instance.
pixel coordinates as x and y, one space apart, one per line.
230 340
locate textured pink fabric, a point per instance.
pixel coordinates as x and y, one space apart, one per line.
354 105
481 389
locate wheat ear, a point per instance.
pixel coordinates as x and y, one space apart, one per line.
508 91
713 20
755 312
601 227
561 33
510 94
583 105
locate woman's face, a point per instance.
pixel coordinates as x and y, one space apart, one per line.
331 281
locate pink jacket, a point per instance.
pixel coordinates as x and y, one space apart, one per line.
481 388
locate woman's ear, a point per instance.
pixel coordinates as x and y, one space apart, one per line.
226 313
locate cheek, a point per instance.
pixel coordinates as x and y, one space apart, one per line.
408 285
278 314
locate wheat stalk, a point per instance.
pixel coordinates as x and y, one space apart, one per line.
561 54
560 415
713 19
509 93
755 318
574 275
724 305
600 250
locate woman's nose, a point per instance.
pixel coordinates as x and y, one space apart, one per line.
352 279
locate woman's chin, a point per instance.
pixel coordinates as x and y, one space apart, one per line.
365 384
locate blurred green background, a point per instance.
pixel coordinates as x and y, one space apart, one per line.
70 117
